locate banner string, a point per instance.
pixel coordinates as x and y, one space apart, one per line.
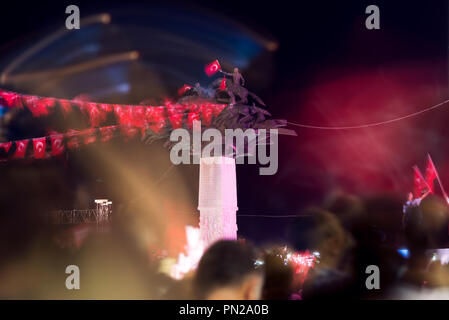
374 124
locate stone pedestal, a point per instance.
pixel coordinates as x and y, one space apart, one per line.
217 199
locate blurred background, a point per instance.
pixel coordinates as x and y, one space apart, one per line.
312 63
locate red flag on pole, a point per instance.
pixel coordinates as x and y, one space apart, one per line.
39 148
212 68
184 89
420 183
223 84
431 173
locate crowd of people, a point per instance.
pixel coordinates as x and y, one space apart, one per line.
350 234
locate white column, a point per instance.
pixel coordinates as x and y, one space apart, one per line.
217 199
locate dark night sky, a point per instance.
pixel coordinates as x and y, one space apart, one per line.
320 42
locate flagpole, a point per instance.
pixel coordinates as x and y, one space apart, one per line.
438 178
439 182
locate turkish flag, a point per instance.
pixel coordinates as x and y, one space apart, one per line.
431 173
129 131
48 102
139 119
223 84
175 114
21 148
124 115
10 99
206 114
89 136
73 140
193 107
6 146
105 107
172 110
184 89
37 106
156 119
106 133
420 184
96 115
57 146
118 111
191 116
66 106
176 120
212 68
39 148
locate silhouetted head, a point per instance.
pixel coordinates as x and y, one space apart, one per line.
227 271
278 277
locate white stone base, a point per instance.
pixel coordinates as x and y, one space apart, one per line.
217 201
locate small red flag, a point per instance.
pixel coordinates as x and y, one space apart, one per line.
106 107
96 115
223 84
10 99
176 120
192 116
6 146
89 136
206 114
21 147
156 119
66 106
73 140
184 89
138 117
420 184
212 68
57 147
431 173
39 148
107 133
37 106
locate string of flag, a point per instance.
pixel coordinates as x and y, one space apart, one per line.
130 121
55 144
157 117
